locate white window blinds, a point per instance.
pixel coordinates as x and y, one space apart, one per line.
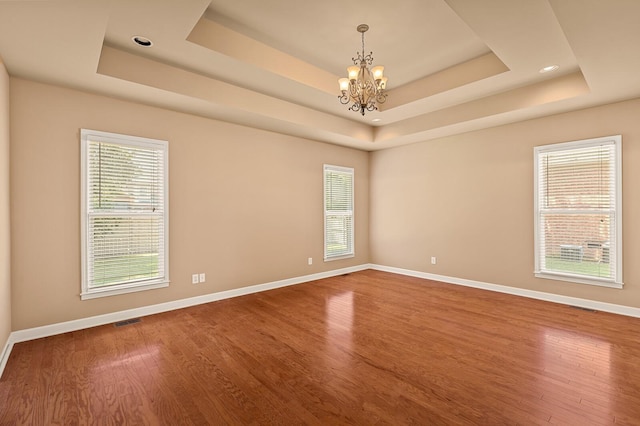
338 212
125 217
578 211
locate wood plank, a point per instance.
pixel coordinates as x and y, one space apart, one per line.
365 348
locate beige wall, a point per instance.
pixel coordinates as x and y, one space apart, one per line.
465 199
468 200
245 205
5 240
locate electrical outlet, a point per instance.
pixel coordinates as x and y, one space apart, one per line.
310 261
202 277
433 260
194 279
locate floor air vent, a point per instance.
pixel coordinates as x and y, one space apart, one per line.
126 322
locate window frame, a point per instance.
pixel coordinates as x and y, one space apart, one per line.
87 136
617 281
338 169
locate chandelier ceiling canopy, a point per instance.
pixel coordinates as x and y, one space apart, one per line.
364 87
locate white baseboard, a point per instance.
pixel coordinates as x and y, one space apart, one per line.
4 355
532 294
79 324
64 327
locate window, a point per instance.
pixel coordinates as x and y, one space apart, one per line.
124 214
338 212
578 217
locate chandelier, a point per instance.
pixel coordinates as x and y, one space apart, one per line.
363 87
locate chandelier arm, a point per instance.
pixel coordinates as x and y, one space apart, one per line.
356 92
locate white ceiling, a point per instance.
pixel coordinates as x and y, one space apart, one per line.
453 65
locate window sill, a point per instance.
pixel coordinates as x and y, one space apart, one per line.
94 294
579 280
346 256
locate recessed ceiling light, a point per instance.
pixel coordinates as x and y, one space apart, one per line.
142 41
549 68
375 120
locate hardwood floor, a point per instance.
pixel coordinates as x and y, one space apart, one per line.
365 348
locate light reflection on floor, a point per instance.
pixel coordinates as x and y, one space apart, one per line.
573 358
143 358
340 320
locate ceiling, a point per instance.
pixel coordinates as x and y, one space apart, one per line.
453 65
